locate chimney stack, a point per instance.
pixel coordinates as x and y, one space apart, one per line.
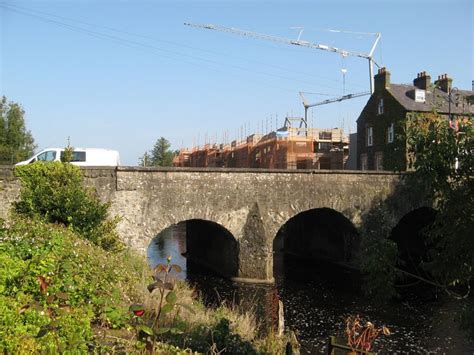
422 81
382 79
444 82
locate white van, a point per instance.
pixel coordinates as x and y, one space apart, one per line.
80 156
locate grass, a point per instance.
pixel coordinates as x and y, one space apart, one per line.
60 293
227 328
67 284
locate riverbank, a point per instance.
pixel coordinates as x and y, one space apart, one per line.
59 293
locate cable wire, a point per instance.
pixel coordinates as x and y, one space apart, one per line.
16 7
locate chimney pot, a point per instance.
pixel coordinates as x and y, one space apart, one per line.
382 79
422 81
444 83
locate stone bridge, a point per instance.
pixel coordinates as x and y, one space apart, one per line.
250 205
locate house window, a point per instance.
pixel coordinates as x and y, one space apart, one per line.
300 164
370 136
363 161
379 161
380 107
324 146
420 95
325 163
390 133
325 135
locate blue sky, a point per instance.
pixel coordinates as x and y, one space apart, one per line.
121 74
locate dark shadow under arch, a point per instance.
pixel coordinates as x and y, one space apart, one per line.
203 243
321 234
409 236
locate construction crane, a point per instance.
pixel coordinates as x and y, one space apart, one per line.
307 105
303 43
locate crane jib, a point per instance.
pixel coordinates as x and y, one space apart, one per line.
299 42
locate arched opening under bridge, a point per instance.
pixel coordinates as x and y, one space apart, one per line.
197 246
321 234
412 244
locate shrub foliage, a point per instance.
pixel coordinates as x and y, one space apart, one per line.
54 286
54 192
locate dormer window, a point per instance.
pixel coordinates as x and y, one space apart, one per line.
420 95
380 107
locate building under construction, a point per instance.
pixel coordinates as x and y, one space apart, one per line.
286 148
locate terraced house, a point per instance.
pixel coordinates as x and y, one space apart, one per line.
381 140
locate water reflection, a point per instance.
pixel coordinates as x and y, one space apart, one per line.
171 242
317 298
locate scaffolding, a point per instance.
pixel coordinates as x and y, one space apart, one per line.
289 147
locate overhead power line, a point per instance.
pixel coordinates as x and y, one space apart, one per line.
33 13
113 29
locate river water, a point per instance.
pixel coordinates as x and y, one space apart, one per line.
318 298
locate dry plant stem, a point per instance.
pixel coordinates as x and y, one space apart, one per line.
162 296
443 287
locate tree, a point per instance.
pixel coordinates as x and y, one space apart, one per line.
68 153
16 143
441 152
144 160
161 155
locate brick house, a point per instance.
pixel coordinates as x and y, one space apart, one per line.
381 142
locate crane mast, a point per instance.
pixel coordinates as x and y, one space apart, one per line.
300 42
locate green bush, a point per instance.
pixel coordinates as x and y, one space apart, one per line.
54 192
55 286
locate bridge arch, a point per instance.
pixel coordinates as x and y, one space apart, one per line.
408 235
252 204
202 242
322 234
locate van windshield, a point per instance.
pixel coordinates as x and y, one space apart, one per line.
49 155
